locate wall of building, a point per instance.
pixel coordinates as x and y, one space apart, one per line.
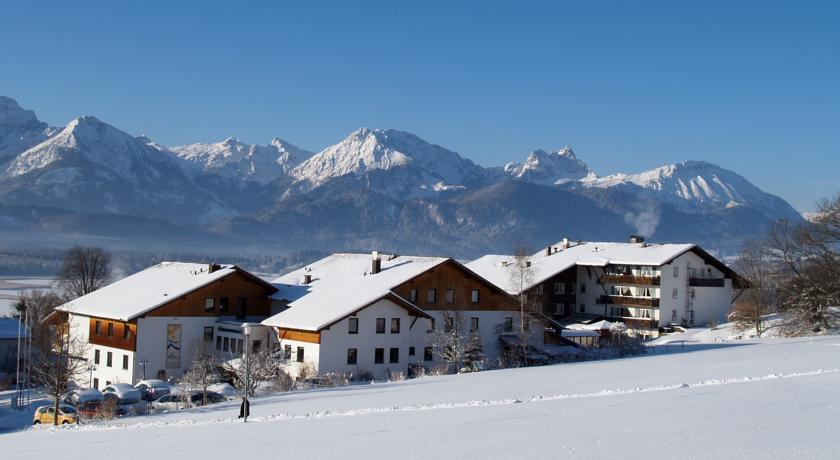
115 373
708 304
231 286
152 344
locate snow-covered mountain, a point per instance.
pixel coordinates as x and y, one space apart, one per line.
696 187
19 129
378 188
414 166
552 168
91 166
234 160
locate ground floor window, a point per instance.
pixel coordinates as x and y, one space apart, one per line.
109 359
379 356
125 362
219 343
287 352
351 355
427 354
394 355
508 324
96 383
300 354
208 334
410 351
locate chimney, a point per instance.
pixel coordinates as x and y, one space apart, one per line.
375 263
566 243
637 239
307 278
548 251
528 263
211 267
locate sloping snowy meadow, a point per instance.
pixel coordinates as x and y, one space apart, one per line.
765 398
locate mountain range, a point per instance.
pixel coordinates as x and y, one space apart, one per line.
377 188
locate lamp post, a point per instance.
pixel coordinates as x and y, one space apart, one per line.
143 363
245 404
91 368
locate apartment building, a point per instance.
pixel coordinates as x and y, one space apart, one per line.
148 325
647 286
376 314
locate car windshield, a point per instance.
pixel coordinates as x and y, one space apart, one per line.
68 409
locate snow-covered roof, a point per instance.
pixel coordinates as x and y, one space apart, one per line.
342 284
10 327
146 290
498 269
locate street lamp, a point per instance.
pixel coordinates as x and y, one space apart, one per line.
246 329
143 363
91 368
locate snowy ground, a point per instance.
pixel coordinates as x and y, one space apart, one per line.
12 286
767 398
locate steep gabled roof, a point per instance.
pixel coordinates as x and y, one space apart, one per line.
153 287
498 268
341 285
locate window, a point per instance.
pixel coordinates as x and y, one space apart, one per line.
558 309
96 383
473 324
692 293
427 354
223 303
394 356
450 296
126 331
353 326
673 315
299 354
508 324
351 355
379 356
219 343
583 308
395 325
691 316
255 346
226 344
109 359
413 296
448 324
125 362
380 325
95 356
410 351
676 272
430 325
208 334
583 288
539 289
241 307
474 296
209 303
110 329
97 326
287 352
675 294
559 288
431 295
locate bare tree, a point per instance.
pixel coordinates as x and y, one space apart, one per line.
521 278
61 362
202 373
808 257
83 271
263 366
34 307
450 342
755 264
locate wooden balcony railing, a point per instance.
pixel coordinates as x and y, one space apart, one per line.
631 279
631 301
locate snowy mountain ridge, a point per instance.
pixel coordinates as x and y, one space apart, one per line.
20 129
233 159
550 168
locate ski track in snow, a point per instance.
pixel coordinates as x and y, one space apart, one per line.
457 405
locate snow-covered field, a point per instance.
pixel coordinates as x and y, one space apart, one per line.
766 398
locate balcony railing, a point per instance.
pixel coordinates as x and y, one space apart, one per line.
641 323
631 279
706 282
627 300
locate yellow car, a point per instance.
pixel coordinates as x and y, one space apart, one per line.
45 414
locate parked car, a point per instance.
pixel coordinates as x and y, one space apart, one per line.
87 401
197 398
127 399
67 414
153 389
169 402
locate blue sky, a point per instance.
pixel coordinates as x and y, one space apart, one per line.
752 86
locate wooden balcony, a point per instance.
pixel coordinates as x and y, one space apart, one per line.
641 323
631 279
630 301
707 282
